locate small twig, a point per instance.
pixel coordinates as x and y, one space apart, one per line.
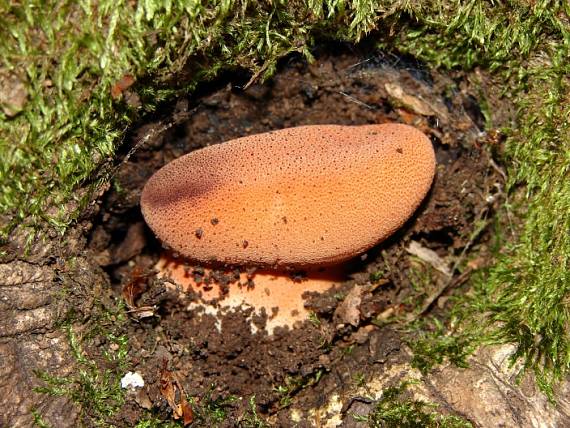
497 168
155 132
358 63
454 280
255 76
356 101
451 283
346 407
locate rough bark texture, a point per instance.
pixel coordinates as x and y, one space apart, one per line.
487 394
34 299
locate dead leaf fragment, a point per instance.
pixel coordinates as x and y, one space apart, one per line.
167 386
132 245
348 312
143 399
187 413
429 256
135 287
122 84
173 393
410 102
143 312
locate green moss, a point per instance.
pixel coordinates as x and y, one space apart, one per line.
433 343
395 410
359 379
39 421
524 295
530 285
210 411
95 385
251 419
293 384
155 422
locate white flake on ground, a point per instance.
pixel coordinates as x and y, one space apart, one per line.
132 380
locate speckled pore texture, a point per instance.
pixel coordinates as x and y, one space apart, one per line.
299 197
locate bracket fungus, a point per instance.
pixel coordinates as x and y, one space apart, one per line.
296 198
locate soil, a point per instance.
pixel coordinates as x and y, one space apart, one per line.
299 368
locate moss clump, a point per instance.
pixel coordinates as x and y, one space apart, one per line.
433 343
95 389
208 412
395 410
524 296
530 285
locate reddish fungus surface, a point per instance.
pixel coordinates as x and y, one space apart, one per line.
297 197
